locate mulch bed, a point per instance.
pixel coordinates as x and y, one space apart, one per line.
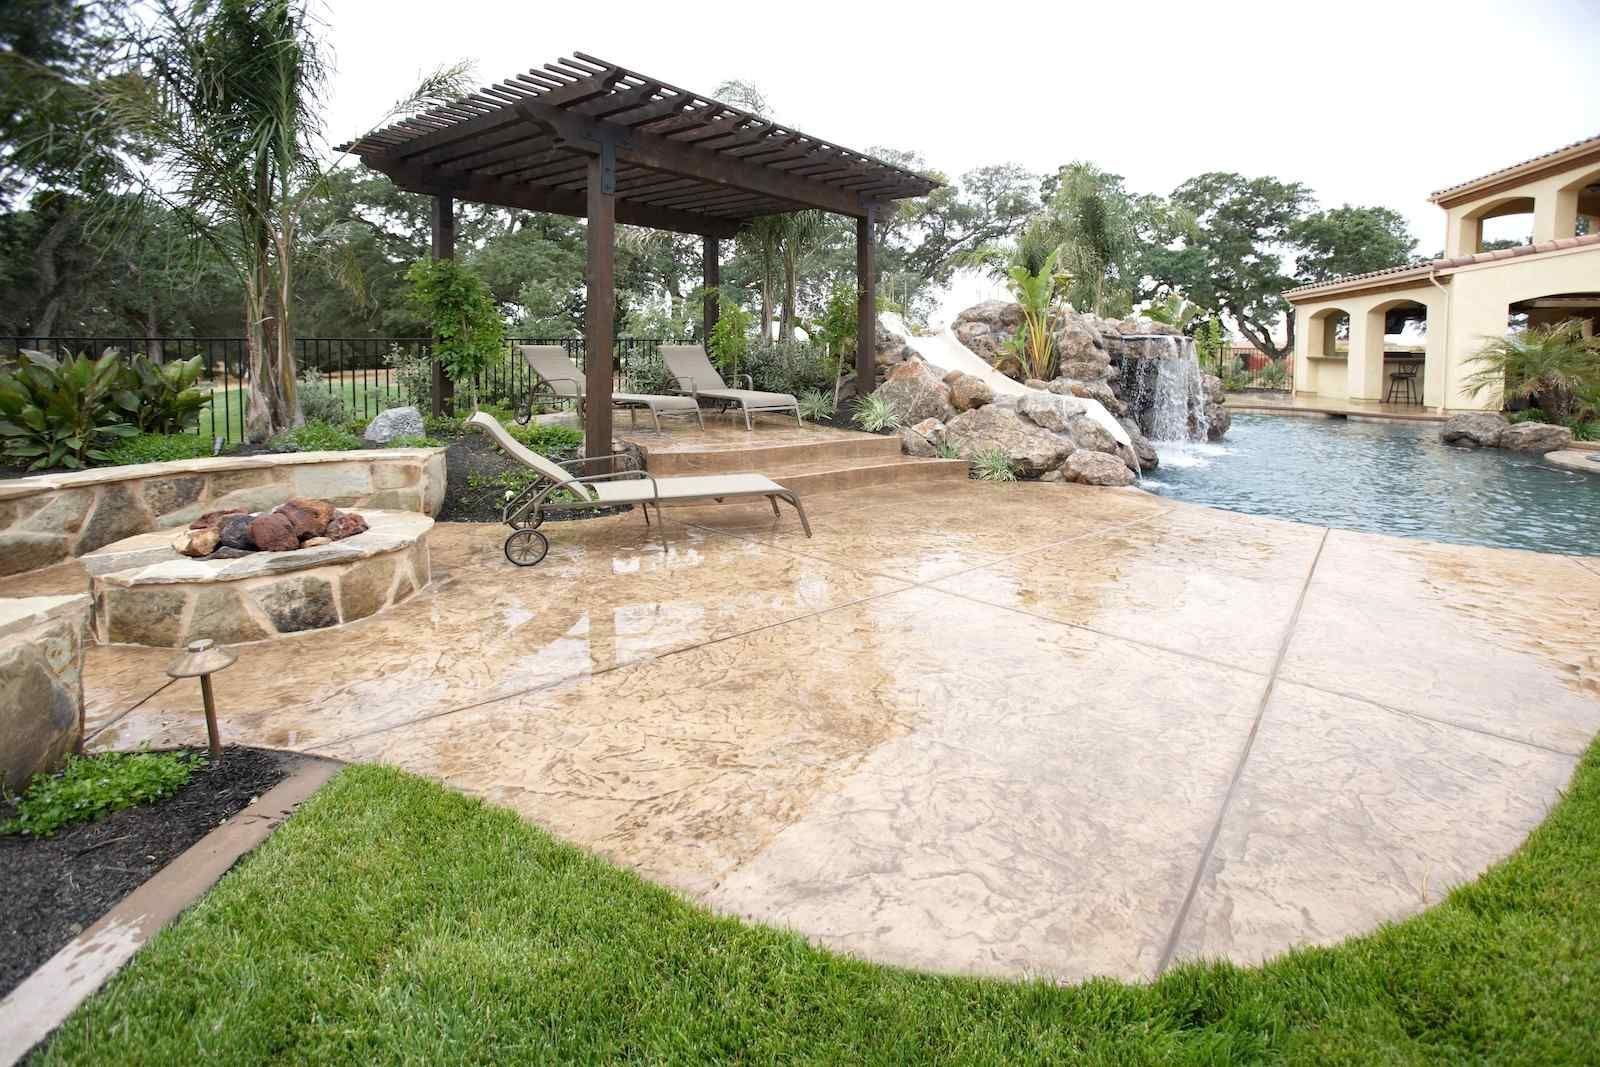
465 456
56 887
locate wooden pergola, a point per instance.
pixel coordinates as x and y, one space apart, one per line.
590 139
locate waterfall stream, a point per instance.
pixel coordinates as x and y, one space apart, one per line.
1162 388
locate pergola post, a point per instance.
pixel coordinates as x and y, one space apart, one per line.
710 256
600 306
866 303
444 247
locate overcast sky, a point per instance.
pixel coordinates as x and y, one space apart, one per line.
1365 102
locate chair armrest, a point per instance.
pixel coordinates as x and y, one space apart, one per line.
749 382
581 460
576 384
680 383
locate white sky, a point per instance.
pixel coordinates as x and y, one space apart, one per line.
1371 103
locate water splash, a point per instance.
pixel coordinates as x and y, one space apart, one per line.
1161 384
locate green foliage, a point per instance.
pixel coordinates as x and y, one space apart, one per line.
873 414
993 465
318 402
837 327
788 366
92 786
946 450
816 405
157 448
1092 218
161 397
730 337
1553 366
1210 341
466 323
413 441
1349 240
317 437
1034 282
63 412
550 440
413 374
1275 375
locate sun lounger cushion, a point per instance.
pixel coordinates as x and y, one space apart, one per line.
688 487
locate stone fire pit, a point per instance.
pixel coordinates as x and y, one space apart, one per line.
145 593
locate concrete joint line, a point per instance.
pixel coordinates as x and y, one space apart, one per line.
1238 770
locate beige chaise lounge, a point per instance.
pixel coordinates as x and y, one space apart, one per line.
560 379
559 490
691 372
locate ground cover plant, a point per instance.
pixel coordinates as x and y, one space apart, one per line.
395 920
91 786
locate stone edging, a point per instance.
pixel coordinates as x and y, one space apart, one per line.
47 997
48 518
1585 461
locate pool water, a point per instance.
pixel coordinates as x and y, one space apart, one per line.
1386 478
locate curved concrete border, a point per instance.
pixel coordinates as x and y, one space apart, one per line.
44 1000
1585 461
52 517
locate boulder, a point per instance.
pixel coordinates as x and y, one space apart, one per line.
396 422
197 543
1096 468
1211 386
308 517
1474 429
273 532
1539 437
1077 342
923 439
914 392
345 524
1093 390
1031 448
1218 420
969 391
1049 410
984 327
1143 451
234 532
891 349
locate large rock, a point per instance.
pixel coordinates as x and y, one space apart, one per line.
1474 429
345 524
1049 410
1092 390
1031 448
197 543
968 391
396 422
923 439
1218 421
1096 468
1540 437
1211 386
41 684
915 392
273 532
308 517
235 533
1143 451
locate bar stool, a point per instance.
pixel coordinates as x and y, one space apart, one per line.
1402 383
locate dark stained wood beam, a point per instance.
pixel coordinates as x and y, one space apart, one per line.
711 275
599 308
866 303
443 218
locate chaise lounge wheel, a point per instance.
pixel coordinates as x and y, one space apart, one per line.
526 547
529 520
524 413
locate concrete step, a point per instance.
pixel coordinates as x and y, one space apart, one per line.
830 476
765 457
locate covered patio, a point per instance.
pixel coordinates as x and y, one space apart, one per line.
591 139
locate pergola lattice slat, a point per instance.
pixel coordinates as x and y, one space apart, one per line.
592 139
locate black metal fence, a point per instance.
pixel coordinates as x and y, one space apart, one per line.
1246 369
369 374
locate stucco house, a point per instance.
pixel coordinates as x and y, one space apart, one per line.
1468 295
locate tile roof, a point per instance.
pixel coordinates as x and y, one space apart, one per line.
1587 142
1423 269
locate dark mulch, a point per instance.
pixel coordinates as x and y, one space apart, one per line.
473 454
55 887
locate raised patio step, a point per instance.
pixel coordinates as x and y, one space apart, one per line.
763 456
832 476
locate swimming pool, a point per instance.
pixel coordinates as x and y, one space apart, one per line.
1394 478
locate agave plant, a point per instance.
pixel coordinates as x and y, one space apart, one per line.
816 405
993 465
1552 366
58 413
874 415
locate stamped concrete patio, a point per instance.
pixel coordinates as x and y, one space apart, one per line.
1026 729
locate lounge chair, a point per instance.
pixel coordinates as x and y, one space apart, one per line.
559 379
558 490
691 372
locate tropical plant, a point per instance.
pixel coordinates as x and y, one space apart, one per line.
1173 310
837 327
816 405
993 465
1552 366
787 366
730 337
162 398
63 412
946 450
1091 221
874 414
1033 280
467 328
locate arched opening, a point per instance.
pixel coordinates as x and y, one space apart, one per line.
1396 351
1578 206
1503 223
1543 313
1330 334
1327 345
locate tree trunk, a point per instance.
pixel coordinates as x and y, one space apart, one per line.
786 329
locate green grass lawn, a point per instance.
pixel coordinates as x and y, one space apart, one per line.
392 920
231 426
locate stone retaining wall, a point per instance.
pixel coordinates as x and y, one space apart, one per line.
41 684
49 518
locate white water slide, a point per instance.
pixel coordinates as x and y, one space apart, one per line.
946 352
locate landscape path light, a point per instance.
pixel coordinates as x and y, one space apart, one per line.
201 659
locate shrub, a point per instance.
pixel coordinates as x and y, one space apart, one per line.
89 787
993 465
413 441
413 375
788 366
467 326
1553 366
816 405
730 338
319 403
158 448
873 414
946 450
161 398
63 412
548 440
1526 415
316 437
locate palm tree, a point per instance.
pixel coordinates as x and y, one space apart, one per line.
803 231
224 96
1035 282
1548 365
763 237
